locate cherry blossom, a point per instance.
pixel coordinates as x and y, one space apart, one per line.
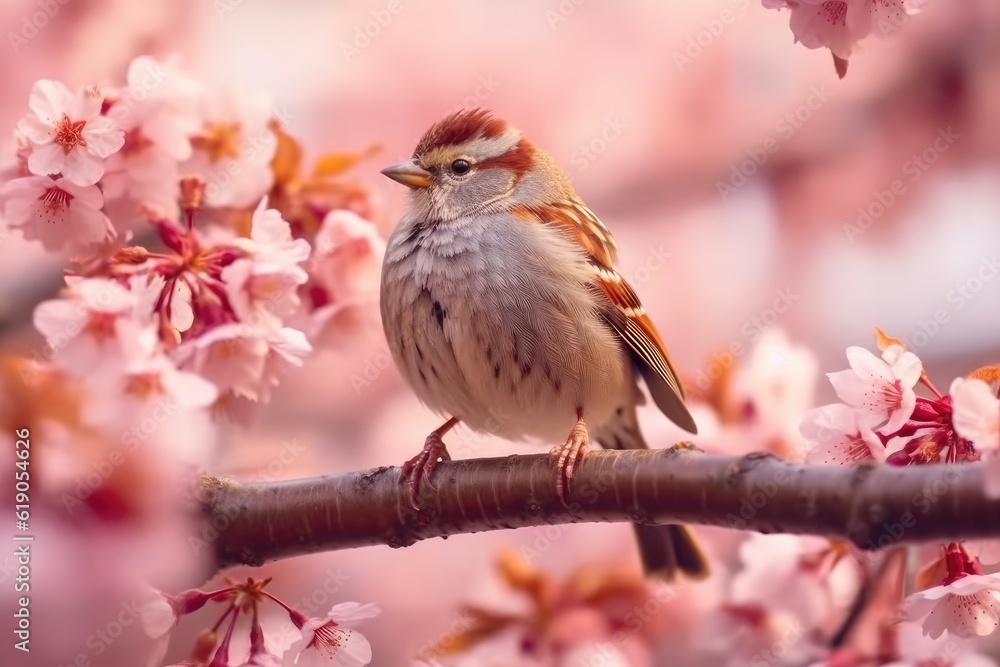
753 634
81 328
159 613
233 147
778 384
976 417
68 133
143 384
881 388
807 576
918 650
787 587
262 287
243 361
966 607
605 654
840 24
966 604
155 110
59 213
976 413
330 641
838 437
346 267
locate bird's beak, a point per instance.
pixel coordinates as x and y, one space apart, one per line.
409 174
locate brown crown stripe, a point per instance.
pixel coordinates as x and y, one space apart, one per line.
459 127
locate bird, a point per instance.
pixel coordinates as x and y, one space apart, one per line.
503 311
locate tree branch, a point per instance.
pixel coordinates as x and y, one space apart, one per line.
873 506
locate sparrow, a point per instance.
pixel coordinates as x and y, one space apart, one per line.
503 311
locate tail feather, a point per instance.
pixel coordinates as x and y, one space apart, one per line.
666 550
669 550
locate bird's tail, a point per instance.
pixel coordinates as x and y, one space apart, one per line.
666 550
669 550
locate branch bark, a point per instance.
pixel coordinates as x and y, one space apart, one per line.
873 506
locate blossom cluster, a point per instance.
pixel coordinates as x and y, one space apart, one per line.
881 419
205 263
330 640
787 599
839 25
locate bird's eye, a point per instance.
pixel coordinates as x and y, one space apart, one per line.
460 167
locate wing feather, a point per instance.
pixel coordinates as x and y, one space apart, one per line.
626 314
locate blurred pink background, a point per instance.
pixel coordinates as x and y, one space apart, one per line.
657 120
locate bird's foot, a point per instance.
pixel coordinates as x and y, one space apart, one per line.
567 457
420 467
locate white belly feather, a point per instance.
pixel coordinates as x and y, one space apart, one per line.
495 326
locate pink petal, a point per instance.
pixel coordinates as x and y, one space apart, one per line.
347 613
859 17
103 137
157 616
354 649
868 367
36 130
181 313
828 421
88 226
49 100
969 615
85 105
58 319
21 211
29 188
166 132
47 159
82 167
291 345
907 368
854 390
976 414
900 415
85 195
268 227
190 390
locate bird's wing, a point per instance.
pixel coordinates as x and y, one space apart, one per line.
626 314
